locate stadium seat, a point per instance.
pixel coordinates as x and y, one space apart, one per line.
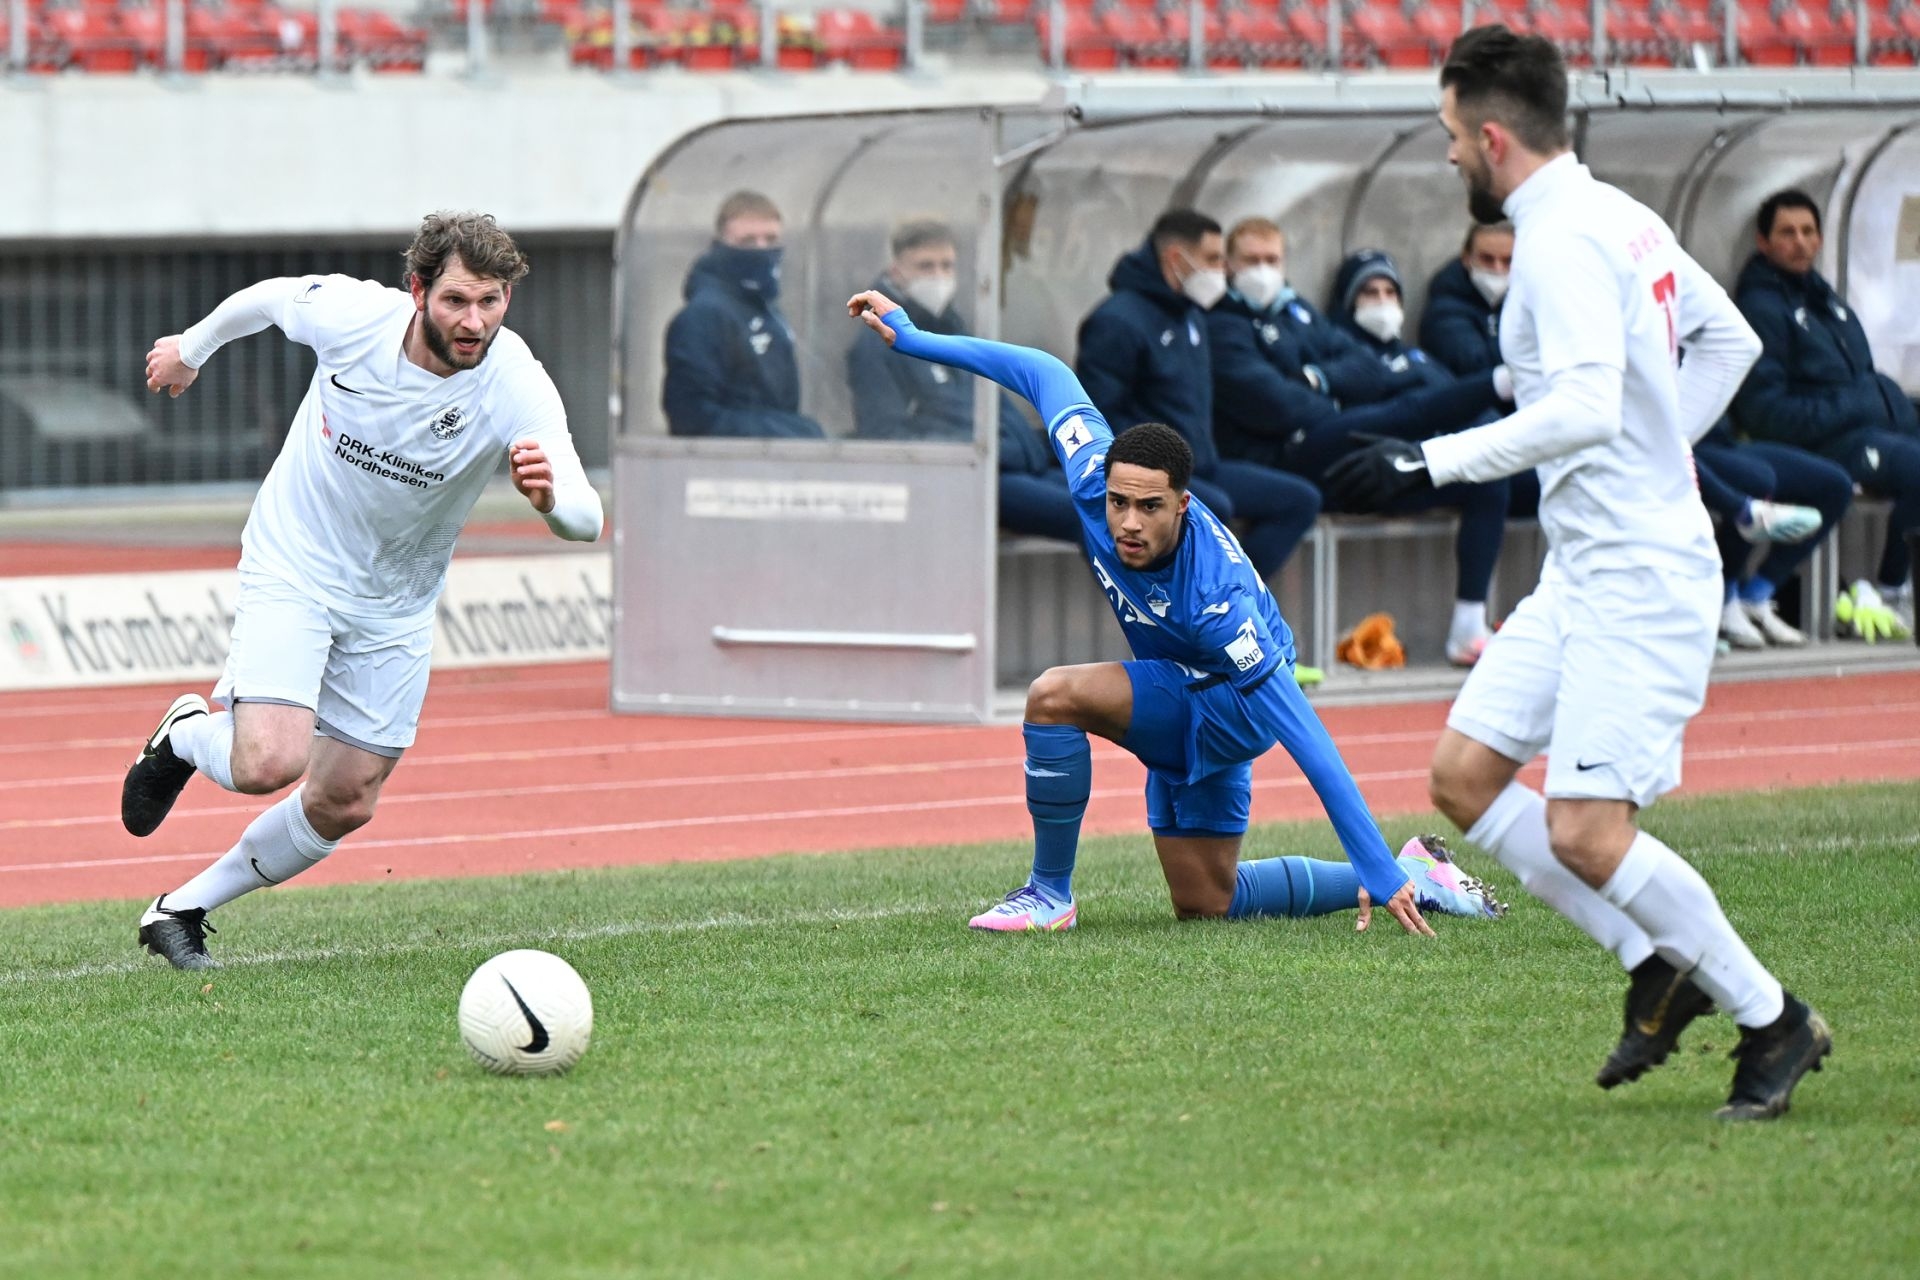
855 37
1761 41
1440 24
1263 39
1391 35
1086 46
1218 52
1817 38
1142 37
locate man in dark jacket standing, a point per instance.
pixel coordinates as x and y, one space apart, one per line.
1460 324
919 400
730 361
1815 388
1144 357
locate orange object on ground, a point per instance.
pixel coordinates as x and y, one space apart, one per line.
1371 645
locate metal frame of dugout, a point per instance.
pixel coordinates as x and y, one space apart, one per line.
858 579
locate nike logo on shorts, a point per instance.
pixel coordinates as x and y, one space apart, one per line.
1581 766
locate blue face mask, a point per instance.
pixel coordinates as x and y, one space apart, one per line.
757 271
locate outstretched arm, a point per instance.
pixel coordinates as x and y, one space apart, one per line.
1038 377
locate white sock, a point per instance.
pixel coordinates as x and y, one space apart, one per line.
1670 900
206 742
1514 830
276 846
1469 620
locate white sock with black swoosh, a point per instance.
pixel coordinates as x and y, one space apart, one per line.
206 743
1675 905
1514 830
276 846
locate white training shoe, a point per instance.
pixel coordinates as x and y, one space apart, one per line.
1766 618
1765 521
1737 629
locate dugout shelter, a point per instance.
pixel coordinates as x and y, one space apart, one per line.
860 579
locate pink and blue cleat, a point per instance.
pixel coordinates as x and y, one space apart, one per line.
1439 885
1028 909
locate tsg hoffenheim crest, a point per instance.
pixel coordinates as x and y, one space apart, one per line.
448 425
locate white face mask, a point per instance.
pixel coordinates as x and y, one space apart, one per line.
1206 286
1491 284
1381 319
935 292
1261 285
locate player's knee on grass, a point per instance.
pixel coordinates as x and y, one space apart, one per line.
1196 902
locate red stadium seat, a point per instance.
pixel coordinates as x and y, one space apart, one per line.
1141 36
1762 43
1263 39
1087 46
1439 23
1816 37
95 39
856 38
1217 51
945 13
1392 37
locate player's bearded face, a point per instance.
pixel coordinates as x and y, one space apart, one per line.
1477 173
1144 512
459 321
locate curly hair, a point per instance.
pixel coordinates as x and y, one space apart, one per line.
1157 447
474 238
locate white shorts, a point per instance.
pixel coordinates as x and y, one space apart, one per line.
1602 674
363 678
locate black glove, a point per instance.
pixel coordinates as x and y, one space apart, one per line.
1378 474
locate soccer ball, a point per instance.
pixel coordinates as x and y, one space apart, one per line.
526 1013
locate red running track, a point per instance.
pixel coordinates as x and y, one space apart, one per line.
524 770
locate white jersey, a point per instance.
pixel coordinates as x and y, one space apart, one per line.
385 460
1600 301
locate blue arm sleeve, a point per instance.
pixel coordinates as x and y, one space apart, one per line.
1037 377
1286 712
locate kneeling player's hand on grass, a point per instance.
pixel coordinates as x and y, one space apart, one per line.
869 307
166 371
1402 908
533 475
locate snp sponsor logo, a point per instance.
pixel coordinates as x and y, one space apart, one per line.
1244 649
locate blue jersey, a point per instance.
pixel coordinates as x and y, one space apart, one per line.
1204 608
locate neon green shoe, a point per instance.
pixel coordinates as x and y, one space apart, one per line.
1859 611
1307 677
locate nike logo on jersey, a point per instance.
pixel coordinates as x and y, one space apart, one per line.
534 1024
335 379
1409 465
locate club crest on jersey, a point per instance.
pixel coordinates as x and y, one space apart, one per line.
1159 601
448 425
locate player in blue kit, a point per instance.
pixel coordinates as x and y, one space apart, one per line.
1198 705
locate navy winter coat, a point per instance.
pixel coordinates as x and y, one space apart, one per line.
730 363
1143 357
1814 385
1457 327
895 398
1261 398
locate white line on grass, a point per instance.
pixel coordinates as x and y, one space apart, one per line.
525 937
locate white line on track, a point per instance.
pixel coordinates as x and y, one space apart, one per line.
314 955
998 800
150 700
417 762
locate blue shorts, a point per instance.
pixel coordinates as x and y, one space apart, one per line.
1199 744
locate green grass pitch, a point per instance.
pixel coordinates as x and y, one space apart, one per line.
808 1067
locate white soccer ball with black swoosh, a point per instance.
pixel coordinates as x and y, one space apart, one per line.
526 1013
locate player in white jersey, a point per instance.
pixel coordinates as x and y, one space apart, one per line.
418 396
1604 664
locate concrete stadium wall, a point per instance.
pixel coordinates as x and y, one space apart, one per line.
137 158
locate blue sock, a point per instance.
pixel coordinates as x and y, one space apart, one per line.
1732 592
1059 779
1293 887
1756 591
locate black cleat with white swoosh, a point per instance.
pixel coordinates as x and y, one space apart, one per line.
157 776
1661 1001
